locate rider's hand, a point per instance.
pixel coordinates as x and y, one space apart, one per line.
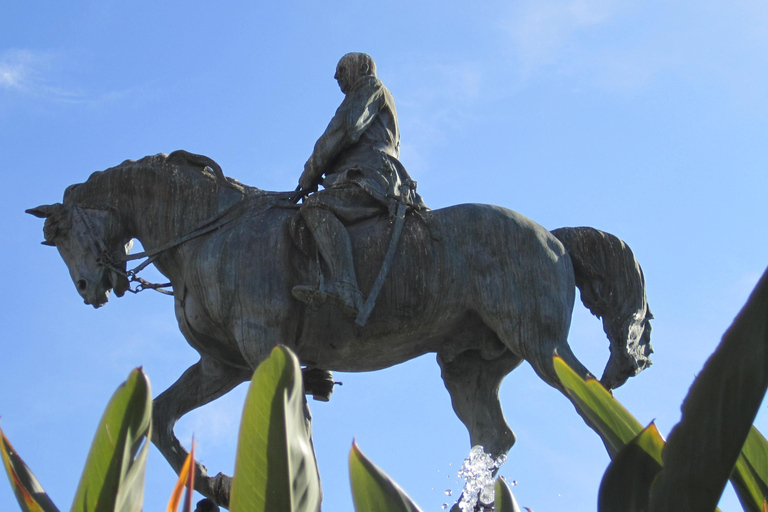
307 180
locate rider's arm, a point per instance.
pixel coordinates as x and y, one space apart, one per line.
352 118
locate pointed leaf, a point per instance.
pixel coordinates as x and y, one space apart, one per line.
750 476
190 484
505 500
29 493
275 468
614 423
372 489
113 478
718 412
629 476
183 481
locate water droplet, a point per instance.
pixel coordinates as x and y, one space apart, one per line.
488 495
445 506
477 471
448 492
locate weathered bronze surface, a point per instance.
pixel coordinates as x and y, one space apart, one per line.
481 286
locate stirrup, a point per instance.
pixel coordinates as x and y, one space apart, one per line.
309 295
346 295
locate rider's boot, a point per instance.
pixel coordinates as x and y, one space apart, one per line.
335 248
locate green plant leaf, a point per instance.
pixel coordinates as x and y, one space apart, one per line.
505 500
130 493
113 478
29 493
750 476
614 423
372 489
275 467
718 412
629 476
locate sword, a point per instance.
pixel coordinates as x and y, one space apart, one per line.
365 312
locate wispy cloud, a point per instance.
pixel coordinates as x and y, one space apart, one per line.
40 75
18 70
543 31
623 45
599 43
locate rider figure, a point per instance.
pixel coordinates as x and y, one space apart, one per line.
357 154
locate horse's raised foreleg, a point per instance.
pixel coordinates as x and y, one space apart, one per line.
201 383
473 383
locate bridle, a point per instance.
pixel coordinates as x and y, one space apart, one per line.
107 259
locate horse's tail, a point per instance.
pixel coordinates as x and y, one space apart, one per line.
612 287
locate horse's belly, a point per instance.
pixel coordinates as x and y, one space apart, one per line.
391 336
346 350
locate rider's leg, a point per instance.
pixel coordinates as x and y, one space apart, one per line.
335 248
324 212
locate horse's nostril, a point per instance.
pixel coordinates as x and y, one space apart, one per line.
81 285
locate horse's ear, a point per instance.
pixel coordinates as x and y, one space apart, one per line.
44 211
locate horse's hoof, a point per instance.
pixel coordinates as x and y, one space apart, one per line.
207 505
216 489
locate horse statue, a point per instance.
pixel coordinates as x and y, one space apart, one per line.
481 286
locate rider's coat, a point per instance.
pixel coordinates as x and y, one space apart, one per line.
361 146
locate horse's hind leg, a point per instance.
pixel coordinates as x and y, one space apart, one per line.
203 382
473 383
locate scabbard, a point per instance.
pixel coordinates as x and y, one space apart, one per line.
365 312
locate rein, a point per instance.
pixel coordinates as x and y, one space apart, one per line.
209 225
105 259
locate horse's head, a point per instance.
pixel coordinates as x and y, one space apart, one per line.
92 243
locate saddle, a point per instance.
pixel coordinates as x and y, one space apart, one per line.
303 240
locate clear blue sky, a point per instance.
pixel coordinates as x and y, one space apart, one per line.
646 120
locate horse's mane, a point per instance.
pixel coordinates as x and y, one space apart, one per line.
201 162
197 168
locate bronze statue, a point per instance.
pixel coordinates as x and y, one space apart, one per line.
493 289
358 155
481 286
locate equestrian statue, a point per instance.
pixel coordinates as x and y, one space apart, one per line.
358 277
